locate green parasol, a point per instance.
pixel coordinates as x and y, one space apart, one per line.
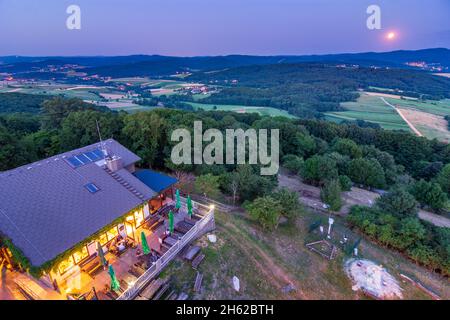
101 255
177 197
189 206
145 247
115 286
171 221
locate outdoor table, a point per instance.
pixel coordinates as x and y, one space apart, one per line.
170 241
129 279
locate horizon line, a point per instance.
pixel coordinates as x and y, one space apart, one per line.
221 55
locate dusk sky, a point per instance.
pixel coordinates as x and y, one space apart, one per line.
218 27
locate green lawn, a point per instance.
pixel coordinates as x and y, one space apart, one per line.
263 261
243 109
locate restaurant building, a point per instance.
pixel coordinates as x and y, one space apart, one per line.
54 212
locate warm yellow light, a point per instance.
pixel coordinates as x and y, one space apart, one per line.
211 206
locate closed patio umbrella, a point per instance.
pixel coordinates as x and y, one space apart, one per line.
177 197
189 206
101 255
145 247
115 286
171 221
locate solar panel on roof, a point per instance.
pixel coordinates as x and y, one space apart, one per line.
74 162
92 156
83 159
99 153
92 188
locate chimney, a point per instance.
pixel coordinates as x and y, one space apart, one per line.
114 163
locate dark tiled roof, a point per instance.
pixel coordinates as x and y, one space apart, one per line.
155 180
45 208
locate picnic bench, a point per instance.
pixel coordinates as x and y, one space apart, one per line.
196 216
183 227
161 291
164 210
111 294
190 221
136 270
198 282
197 260
191 252
172 295
91 266
170 241
153 223
153 287
161 250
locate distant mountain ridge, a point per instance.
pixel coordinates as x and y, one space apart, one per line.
156 65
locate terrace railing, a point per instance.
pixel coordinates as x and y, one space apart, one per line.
164 260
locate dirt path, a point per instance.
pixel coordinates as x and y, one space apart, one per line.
400 113
274 273
310 196
435 219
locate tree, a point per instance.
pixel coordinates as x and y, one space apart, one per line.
411 231
208 185
253 185
266 211
386 234
318 169
347 147
54 111
423 254
398 202
144 133
430 194
185 181
293 163
367 172
306 144
12 153
429 170
79 128
231 182
289 204
444 178
331 194
345 183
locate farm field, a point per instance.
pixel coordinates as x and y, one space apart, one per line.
243 109
371 109
440 108
426 116
430 125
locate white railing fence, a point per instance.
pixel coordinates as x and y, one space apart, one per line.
158 266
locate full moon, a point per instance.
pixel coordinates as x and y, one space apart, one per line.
390 36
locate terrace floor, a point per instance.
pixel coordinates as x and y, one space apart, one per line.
83 282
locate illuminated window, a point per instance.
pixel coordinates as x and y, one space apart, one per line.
103 239
66 265
129 229
112 233
139 217
130 218
81 254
